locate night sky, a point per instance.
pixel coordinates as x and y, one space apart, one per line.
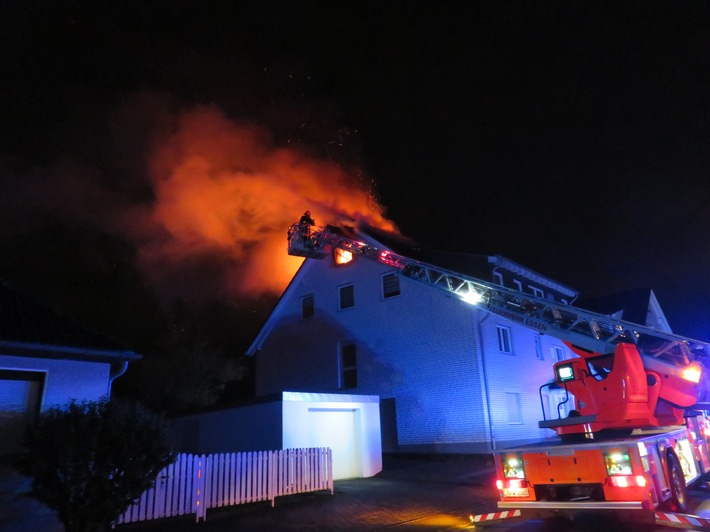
571 137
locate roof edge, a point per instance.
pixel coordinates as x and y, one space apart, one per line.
52 351
514 267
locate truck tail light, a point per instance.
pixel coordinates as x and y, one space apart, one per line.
514 483
513 487
624 481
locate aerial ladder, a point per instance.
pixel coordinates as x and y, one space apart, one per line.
627 376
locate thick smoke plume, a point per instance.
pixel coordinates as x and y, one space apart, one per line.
215 200
223 190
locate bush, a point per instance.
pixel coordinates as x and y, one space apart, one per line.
89 461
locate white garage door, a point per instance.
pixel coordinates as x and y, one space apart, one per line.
337 429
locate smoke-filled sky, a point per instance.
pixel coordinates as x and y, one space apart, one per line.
163 148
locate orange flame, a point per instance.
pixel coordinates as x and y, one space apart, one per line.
223 189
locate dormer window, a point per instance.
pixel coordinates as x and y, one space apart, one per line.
537 292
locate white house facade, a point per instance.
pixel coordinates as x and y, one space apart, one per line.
450 376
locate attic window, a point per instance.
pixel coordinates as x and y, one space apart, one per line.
341 257
536 291
307 307
390 285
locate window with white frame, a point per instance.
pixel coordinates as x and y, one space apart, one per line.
558 354
512 403
518 285
390 285
498 278
505 345
347 366
536 291
346 297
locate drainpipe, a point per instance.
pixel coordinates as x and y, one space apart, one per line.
116 374
482 358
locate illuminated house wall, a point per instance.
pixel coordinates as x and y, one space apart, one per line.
63 379
436 358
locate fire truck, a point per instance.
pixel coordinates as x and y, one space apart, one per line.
632 439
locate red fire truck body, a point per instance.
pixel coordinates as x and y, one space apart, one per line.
664 448
646 470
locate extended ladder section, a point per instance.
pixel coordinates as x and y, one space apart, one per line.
584 329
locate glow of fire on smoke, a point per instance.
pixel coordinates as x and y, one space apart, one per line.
224 188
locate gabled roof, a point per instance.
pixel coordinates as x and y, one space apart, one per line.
347 231
638 305
470 264
30 328
633 304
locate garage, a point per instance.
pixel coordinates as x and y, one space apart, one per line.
337 428
348 424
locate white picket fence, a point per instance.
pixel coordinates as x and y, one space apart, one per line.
194 483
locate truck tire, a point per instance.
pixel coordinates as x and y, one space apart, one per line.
676 480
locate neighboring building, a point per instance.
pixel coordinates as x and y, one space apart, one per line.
46 360
450 376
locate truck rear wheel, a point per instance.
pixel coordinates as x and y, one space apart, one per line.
679 494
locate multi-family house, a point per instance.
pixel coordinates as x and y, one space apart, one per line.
451 377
